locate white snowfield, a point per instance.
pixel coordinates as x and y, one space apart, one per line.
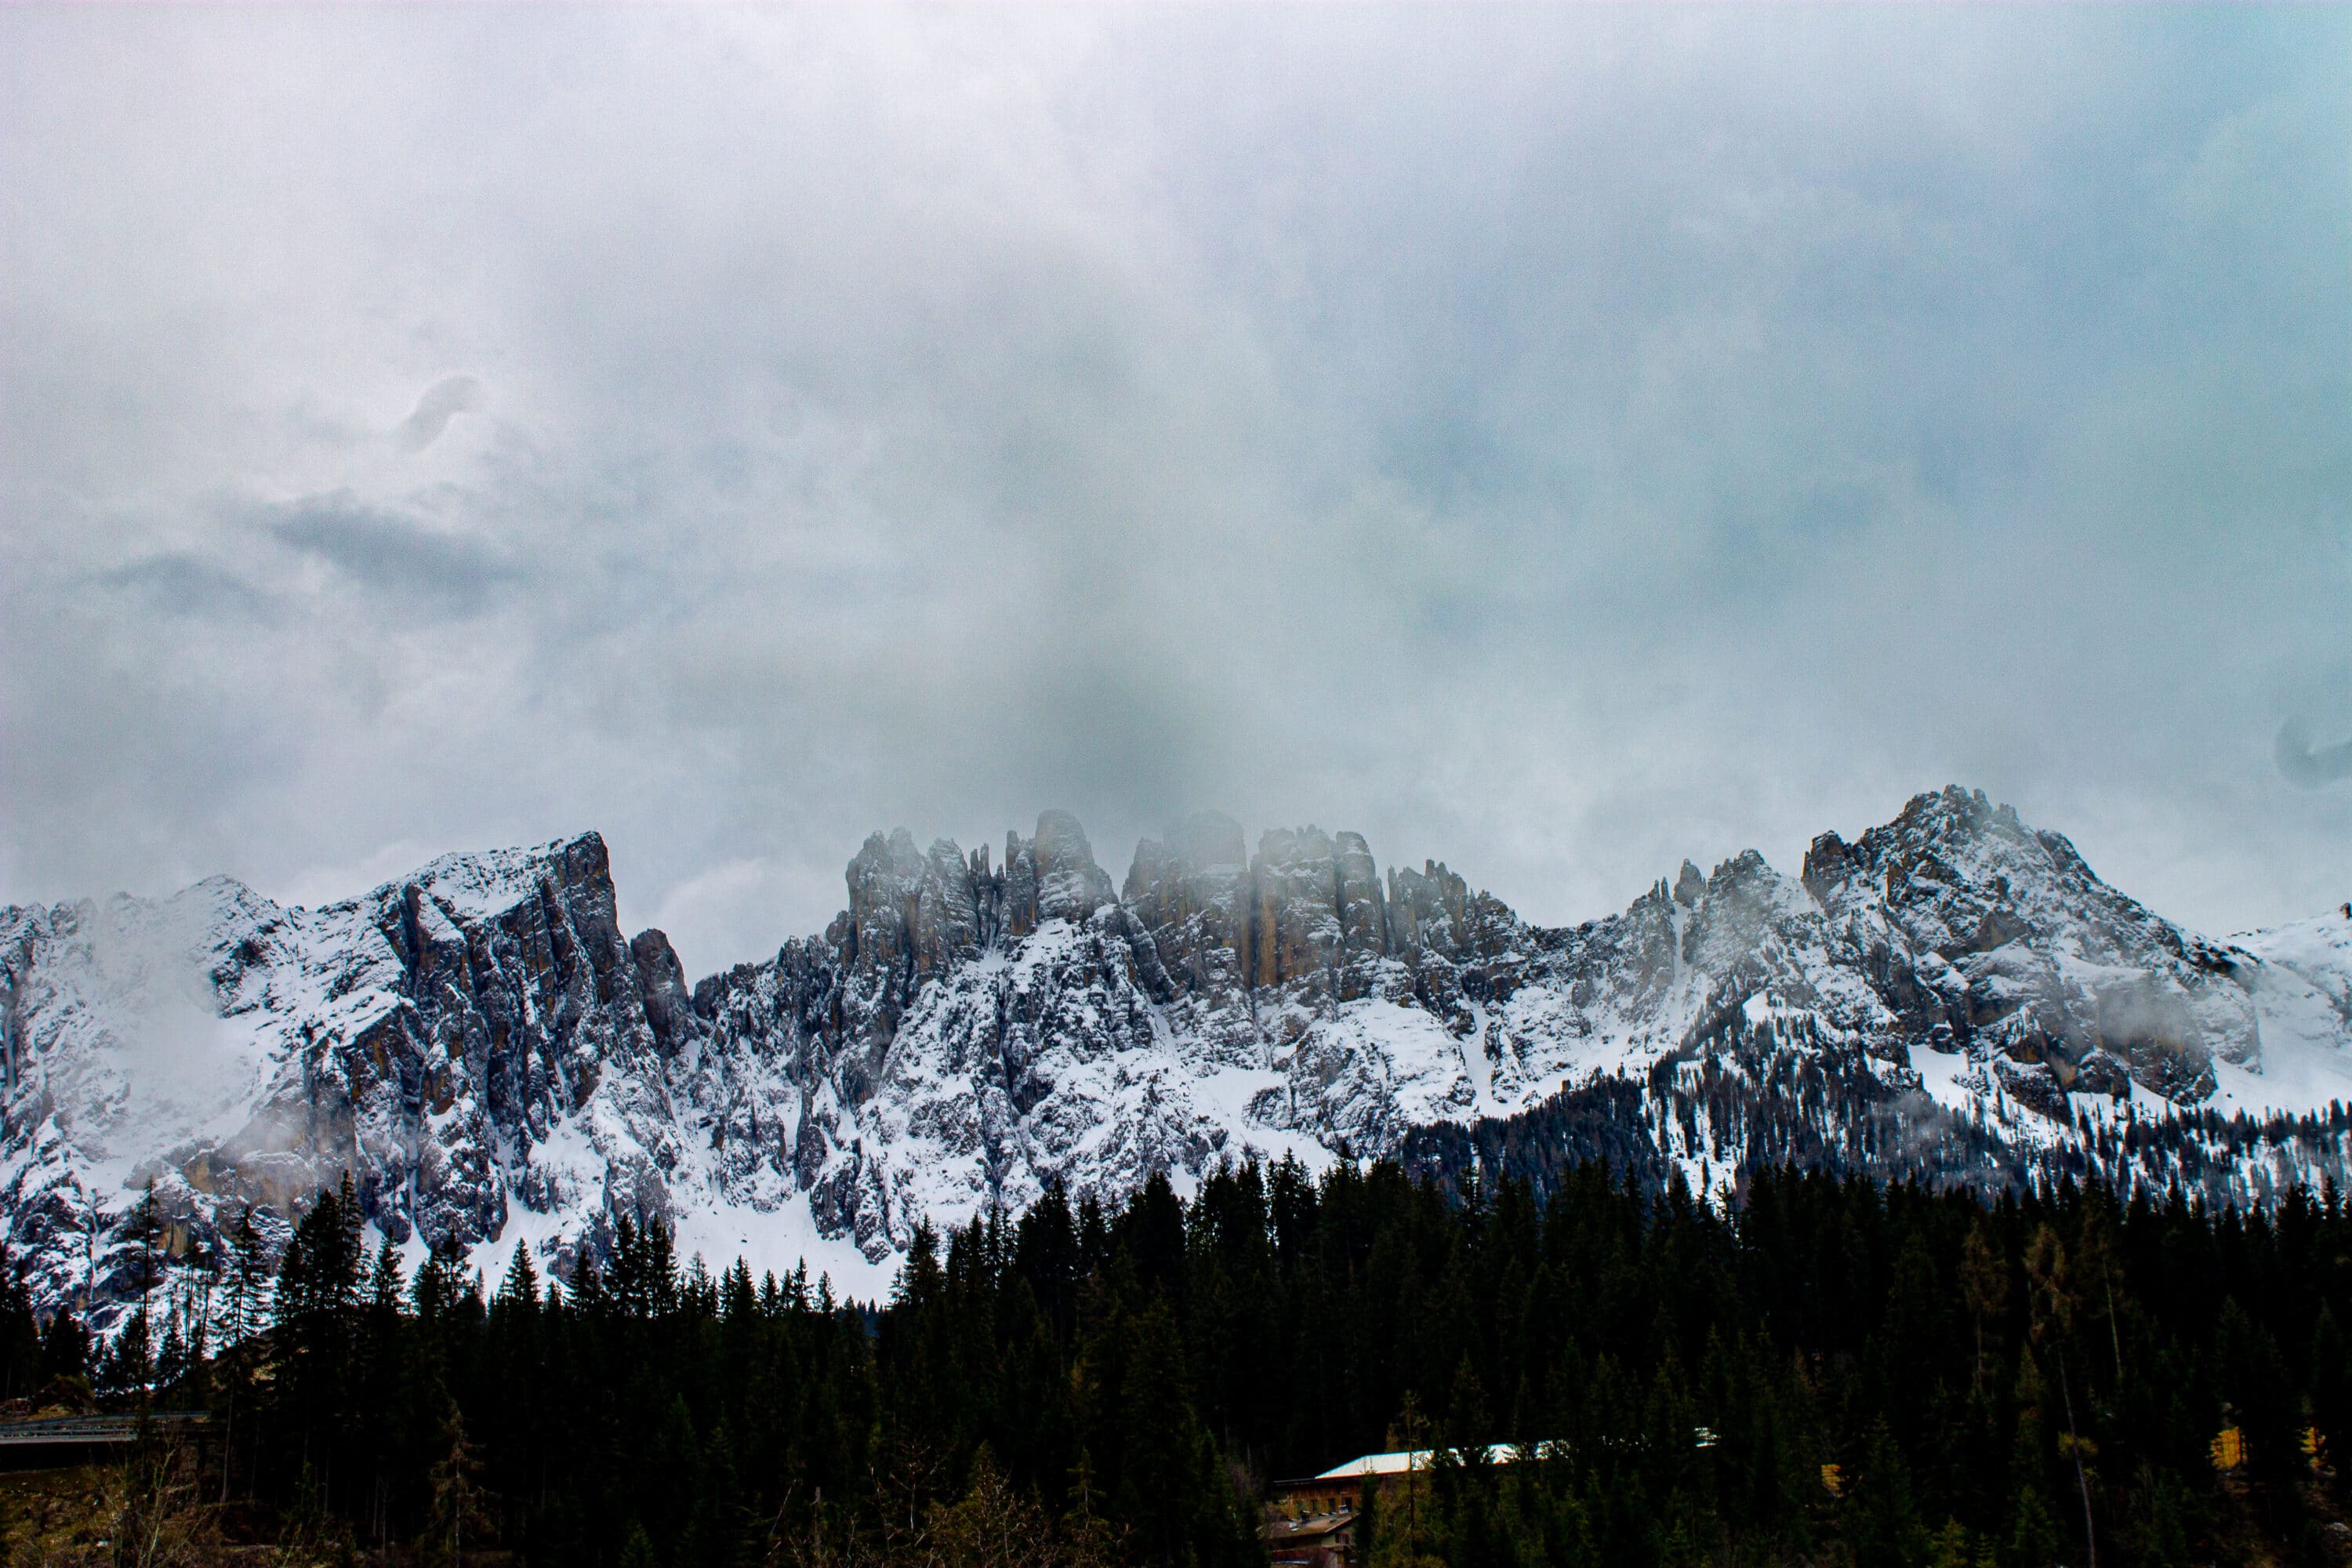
478 1047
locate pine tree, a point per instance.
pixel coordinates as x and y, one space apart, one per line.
521 1286
245 1305
171 1355
66 1350
1984 1285
457 1510
20 1330
130 1364
1882 1524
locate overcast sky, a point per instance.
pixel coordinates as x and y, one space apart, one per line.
1555 442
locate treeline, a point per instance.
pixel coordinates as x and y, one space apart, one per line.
1768 1095
1833 1371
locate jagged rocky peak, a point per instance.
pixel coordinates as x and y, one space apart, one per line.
1739 916
1192 892
1998 933
511 995
1427 908
914 914
1363 913
1309 910
1052 875
911 914
1298 930
1321 918
1070 886
1954 851
419 1038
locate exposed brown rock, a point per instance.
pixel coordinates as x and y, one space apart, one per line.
1363 914
1192 893
1296 933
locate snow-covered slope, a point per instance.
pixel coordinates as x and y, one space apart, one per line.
489 1058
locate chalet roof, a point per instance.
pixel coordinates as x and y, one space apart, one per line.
1405 1459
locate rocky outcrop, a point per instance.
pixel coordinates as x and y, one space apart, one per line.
414 1039
668 1001
1980 931
1052 875
1194 895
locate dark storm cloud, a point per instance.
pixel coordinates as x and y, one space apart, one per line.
1558 440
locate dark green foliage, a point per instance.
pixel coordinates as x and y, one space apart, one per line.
1831 1372
66 1349
22 1369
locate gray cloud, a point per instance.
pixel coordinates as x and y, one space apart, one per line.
2302 764
413 566
442 401
185 584
1558 441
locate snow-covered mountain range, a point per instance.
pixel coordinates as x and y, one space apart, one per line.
490 1059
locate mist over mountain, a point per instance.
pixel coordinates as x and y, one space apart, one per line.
1954 996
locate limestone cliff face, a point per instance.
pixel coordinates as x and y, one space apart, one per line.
1052 875
485 1052
231 1051
1984 932
1193 894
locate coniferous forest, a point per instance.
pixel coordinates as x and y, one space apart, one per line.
1832 1371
